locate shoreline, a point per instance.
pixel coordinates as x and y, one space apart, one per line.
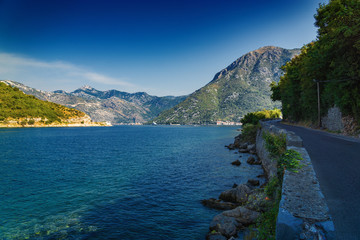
241 206
55 125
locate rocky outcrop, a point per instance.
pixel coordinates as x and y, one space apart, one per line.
236 195
228 223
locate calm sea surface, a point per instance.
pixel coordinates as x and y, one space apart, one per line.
125 182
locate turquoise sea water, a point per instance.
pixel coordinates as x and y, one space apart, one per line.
125 182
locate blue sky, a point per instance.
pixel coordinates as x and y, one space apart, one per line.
161 47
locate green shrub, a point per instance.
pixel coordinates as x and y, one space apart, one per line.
275 144
267 221
290 160
255 117
248 133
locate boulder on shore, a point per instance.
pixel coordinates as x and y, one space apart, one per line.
243 146
230 146
228 223
251 147
226 226
243 215
252 161
236 195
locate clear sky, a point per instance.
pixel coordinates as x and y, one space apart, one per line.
171 47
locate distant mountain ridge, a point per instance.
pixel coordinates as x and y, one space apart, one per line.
18 109
112 105
240 88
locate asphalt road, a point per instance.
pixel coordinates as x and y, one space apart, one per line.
336 161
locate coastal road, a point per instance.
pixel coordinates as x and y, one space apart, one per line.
336 160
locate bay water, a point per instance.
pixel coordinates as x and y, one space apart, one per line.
122 182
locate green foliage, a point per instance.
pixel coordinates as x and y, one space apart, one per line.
286 159
272 188
334 59
275 144
255 117
267 220
290 160
248 133
15 104
275 91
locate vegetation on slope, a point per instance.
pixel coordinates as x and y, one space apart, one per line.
238 89
255 117
14 104
333 59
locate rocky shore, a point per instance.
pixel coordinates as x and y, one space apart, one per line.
243 203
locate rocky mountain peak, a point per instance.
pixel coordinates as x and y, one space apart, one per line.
87 88
241 87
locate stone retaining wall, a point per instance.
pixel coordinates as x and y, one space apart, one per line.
303 212
333 120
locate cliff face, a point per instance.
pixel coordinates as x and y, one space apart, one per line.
111 106
240 88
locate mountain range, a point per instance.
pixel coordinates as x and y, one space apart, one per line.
240 88
111 106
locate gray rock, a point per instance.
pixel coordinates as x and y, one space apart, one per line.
251 160
243 215
230 146
243 150
251 147
243 146
226 226
252 151
236 195
236 163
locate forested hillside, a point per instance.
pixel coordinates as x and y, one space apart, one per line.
14 104
333 60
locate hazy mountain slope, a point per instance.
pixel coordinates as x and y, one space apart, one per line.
236 90
112 105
